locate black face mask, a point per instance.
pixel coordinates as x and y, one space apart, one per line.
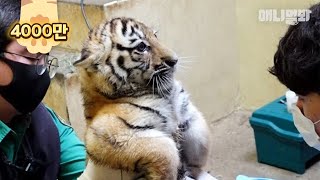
27 88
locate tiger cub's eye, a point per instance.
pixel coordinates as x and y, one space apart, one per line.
141 47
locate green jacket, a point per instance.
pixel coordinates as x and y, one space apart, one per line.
72 155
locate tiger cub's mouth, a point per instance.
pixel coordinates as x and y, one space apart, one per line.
161 80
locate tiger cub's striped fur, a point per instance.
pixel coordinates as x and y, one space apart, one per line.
139 118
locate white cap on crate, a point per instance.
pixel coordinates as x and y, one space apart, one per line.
291 98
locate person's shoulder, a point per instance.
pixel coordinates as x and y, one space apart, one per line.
56 118
73 153
66 132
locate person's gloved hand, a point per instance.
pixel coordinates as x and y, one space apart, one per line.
242 177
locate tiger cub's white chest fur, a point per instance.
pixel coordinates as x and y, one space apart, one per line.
163 114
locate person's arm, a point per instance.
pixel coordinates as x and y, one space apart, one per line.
73 154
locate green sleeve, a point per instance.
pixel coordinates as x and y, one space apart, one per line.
73 154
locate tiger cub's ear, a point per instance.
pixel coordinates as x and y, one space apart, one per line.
84 60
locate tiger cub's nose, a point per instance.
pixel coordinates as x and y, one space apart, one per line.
171 62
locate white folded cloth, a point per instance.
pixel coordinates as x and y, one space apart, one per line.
95 172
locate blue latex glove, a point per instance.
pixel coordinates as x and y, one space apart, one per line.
242 177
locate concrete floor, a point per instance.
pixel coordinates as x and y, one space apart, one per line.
233 152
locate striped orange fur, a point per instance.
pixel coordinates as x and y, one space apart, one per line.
139 118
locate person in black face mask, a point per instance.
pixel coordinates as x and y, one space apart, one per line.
28 80
34 143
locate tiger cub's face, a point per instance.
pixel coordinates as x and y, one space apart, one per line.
123 56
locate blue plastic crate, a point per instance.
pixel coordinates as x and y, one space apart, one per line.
278 142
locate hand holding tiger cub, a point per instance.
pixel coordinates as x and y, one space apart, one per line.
139 118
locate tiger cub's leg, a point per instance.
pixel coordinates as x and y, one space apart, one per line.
195 144
141 151
161 159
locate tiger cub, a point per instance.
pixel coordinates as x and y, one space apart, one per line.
139 118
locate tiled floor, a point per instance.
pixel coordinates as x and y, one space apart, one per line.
233 152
